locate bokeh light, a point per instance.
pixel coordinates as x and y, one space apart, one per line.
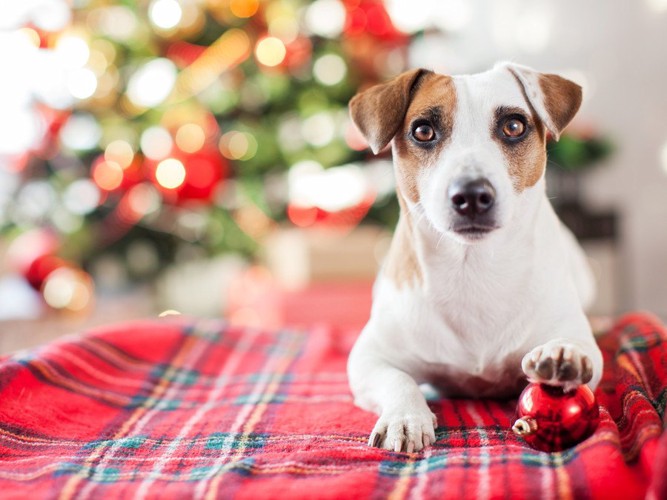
243 8
329 69
190 137
169 312
285 27
21 132
165 14
49 81
30 35
193 19
238 145
29 246
50 16
117 22
120 152
36 200
108 175
81 197
289 133
270 51
327 18
144 199
68 289
72 51
40 268
333 189
409 17
81 132
152 83
102 48
170 173
98 62
82 83
156 143
319 129
65 221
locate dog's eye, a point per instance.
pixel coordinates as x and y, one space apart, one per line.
423 133
514 127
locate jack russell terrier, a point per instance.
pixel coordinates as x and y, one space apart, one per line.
483 286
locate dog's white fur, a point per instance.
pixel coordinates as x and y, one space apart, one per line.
485 307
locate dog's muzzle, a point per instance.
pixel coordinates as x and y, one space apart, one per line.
472 201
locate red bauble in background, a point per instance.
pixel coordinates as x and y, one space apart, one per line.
40 269
370 18
203 170
550 419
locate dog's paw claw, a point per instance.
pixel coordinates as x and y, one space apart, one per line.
560 364
410 431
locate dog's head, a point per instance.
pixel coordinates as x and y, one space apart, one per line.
469 148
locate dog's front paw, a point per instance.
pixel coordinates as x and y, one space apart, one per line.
404 430
558 363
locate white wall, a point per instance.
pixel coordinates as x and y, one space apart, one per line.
618 50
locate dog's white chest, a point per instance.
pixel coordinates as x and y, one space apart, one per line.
459 340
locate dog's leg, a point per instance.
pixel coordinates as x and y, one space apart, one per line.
406 423
564 362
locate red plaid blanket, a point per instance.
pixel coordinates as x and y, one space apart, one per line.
175 409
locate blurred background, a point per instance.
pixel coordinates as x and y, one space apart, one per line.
196 156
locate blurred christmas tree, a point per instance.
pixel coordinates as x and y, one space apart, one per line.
189 127
139 133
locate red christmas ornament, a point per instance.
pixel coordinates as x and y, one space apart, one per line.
550 419
204 170
40 269
346 218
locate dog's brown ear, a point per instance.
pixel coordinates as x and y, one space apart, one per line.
555 99
378 112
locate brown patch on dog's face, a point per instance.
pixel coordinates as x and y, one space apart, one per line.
433 106
378 111
401 265
526 154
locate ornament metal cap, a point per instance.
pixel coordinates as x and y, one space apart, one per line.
524 426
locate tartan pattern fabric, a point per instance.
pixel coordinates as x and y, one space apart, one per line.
181 409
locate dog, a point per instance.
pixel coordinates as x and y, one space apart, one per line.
483 288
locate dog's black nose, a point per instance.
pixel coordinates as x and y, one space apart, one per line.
471 197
